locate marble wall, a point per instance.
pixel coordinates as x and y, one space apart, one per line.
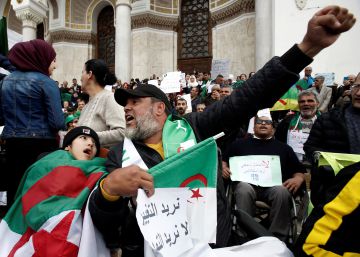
70 60
235 40
153 52
290 26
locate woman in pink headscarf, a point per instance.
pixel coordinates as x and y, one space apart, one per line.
30 108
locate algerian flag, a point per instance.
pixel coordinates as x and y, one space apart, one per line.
46 218
289 101
195 168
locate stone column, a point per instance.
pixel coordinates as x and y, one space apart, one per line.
263 32
31 13
123 40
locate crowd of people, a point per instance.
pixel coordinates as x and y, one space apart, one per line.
103 114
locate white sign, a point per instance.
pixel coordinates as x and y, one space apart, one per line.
171 82
259 170
153 82
163 222
329 78
220 67
297 139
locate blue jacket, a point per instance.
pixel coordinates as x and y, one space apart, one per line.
30 106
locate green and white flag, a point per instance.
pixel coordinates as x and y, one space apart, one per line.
195 168
46 218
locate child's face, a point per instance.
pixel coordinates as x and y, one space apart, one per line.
82 148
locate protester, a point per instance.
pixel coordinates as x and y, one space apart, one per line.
343 93
147 115
225 91
307 76
200 107
31 108
101 113
195 98
214 96
295 128
279 196
181 106
323 93
50 199
336 131
192 82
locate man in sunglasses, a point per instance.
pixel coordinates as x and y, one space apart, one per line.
279 197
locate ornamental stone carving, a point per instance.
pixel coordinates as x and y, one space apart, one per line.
30 12
232 11
154 21
72 37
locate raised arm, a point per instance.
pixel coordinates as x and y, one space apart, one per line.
276 77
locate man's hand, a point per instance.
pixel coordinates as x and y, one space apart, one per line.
293 184
347 93
225 170
324 28
126 181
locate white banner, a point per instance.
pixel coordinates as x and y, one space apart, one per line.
259 170
171 82
163 222
220 67
329 78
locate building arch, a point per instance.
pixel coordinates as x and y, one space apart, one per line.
105 37
93 11
53 10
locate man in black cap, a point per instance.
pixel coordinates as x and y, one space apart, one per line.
147 115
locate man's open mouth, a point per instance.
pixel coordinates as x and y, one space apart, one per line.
129 118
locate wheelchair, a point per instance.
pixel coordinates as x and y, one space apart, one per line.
246 229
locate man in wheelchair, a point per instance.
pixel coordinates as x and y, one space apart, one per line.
265 169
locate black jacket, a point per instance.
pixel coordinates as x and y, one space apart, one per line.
226 115
332 229
329 134
282 128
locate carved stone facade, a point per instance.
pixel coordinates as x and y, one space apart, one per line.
71 36
71 26
232 11
154 21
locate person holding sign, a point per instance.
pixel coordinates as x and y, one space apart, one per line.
269 171
148 119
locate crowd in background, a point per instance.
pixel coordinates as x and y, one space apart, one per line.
40 112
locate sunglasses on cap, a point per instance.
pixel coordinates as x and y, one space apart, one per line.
266 122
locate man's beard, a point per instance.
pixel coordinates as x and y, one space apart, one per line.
146 126
308 114
181 111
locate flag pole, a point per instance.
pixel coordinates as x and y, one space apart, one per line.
217 136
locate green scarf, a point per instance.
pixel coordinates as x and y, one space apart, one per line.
177 135
295 123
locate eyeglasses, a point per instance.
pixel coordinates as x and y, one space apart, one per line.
266 122
355 87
